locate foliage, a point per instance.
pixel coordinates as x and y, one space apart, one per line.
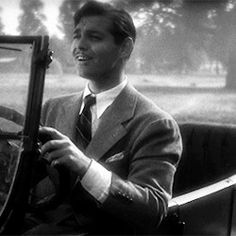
31 19
62 61
1 25
174 36
67 10
186 35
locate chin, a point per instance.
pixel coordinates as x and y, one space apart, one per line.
82 73
86 75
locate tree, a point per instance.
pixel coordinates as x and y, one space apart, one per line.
198 26
171 34
154 47
231 63
62 49
31 19
1 25
67 10
63 61
222 46
175 35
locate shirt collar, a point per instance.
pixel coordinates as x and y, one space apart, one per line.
105 98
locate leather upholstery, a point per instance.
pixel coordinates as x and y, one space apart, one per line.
208 165
209 155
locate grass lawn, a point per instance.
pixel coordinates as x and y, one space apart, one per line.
187 98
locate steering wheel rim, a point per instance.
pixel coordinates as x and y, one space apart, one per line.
12 115
8 151
17 118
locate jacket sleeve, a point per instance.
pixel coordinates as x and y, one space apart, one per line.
141 200
45 110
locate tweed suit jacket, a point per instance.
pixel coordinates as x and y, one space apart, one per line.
140 144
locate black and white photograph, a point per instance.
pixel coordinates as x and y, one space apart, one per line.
118 117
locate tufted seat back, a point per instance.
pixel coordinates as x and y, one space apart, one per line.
209 155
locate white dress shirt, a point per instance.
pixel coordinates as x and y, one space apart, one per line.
97 179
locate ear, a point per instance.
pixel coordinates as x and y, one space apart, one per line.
126 48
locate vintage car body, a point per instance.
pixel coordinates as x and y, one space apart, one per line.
204 190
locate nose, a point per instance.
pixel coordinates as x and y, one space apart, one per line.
81 43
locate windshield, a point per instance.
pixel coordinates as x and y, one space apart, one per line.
15 62
14 77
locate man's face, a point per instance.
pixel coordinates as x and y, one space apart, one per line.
94 51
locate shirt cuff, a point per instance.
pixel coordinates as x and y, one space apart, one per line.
97 181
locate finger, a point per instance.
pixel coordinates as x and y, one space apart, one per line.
56 155
52 145
59 162
51 132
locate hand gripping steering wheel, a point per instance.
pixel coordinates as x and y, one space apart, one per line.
8 157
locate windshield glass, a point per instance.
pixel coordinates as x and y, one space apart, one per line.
14 80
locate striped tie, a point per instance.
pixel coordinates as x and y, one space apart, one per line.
84 127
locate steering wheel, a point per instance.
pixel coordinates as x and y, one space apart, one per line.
12 115
8 159
59 177
8 153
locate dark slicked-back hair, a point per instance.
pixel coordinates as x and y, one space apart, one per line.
122 23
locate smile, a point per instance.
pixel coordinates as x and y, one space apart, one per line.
82 58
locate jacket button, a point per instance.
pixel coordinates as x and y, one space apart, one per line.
124 197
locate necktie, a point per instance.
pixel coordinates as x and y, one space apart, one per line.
84 127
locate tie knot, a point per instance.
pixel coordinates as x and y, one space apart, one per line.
89 100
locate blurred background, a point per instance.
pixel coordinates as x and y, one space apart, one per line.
184 57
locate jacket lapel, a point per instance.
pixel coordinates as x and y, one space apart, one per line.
111 128
69 114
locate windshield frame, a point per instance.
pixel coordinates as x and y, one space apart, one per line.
14 208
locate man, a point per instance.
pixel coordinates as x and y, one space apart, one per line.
118 172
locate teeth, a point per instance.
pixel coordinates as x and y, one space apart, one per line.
82 58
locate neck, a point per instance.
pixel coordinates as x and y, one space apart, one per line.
106 83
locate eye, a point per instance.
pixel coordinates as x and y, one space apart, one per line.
95 37
76 36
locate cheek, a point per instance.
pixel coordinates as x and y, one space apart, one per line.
73 46
107 55
106 48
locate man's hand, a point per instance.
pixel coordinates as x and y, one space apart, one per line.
60 151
